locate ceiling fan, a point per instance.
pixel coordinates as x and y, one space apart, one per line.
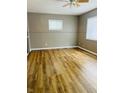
75 3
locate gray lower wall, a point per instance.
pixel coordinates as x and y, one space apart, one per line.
82 25
41 37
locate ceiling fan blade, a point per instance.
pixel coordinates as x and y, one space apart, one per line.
80 1
66 4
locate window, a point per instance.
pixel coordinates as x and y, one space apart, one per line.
55 25
91 28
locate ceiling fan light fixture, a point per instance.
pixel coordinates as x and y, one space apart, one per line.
75 3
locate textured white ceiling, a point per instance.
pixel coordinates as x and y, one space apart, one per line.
55 7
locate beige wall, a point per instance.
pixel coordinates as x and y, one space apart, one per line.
82 24
41 37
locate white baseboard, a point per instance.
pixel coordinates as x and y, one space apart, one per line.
53 48
29 52
62 48
87 50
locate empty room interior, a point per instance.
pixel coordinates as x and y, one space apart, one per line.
62 46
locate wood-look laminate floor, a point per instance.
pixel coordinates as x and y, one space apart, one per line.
61 71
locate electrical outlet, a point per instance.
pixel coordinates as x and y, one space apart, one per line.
46 44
